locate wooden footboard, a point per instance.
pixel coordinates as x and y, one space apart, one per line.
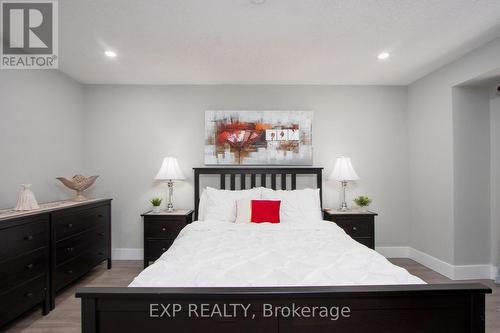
401 308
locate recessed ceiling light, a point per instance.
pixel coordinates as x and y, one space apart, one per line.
110 54
383 55
258 2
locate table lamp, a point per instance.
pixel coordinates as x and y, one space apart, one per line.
343 172
170 171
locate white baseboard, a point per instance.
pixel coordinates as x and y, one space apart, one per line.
394 251
454 272
128 254
459 272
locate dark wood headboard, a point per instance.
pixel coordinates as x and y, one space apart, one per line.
242 173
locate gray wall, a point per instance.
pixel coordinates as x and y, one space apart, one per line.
495 175
129 129
471 158
41 132
430 127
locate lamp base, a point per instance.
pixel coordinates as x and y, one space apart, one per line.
343 205
170 205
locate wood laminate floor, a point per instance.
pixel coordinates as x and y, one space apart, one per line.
65 318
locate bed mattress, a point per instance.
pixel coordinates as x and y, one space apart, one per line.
222 254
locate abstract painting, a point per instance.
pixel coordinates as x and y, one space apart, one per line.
258 137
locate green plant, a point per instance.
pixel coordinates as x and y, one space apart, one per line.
363 201
156 201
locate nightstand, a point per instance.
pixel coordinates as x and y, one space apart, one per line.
160 231
359 225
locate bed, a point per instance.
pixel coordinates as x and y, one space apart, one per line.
223 277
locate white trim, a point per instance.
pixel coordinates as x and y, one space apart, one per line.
433 263
128 254
394 251
458 272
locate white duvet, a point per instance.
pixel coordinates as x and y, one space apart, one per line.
222 254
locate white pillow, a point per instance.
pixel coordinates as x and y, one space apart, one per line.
221 204
243 211
297 206
202 206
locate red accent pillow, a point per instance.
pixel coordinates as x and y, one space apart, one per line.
265 211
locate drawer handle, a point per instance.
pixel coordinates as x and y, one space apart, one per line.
28 238
69 272
354 228
163 229
29 266
70 225
101 234
70 249
164 249
100 216
29 295
100 253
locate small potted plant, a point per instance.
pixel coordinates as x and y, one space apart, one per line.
363 202
156 202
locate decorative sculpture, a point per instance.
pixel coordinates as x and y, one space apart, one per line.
78 183
26 199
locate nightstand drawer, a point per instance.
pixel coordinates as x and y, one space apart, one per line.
357 228
155 248
163 229
367 241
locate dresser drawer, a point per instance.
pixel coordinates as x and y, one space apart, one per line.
357 228
77 267
23 268
67 225
76 245
155 248
23 238
163 229
21 299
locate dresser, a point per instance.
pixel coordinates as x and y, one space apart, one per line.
43 251
24 265
359 225
160 231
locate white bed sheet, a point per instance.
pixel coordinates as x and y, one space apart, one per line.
222 254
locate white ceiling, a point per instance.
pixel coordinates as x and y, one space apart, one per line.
278 42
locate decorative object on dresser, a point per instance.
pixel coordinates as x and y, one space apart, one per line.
26 199
258 137
78 183
170 171
363 202
160 231
359 225
156 202
343 172
44 251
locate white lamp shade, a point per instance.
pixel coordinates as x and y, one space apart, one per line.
170 170
343 170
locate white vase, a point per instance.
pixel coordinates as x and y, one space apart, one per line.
26 199
363 209
156 209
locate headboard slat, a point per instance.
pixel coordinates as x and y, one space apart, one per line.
243 181
253 172
233 182
283 181
223 181
273 181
